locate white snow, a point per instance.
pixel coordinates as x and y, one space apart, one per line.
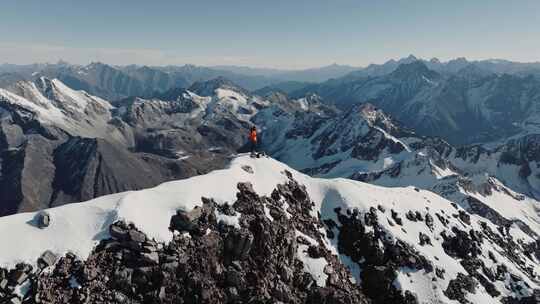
76 112
41 106
78 227
231 220
315 267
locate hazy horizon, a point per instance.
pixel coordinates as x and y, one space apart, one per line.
288 35
268 67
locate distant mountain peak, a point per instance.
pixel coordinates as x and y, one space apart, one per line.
207 88
411 57
414 69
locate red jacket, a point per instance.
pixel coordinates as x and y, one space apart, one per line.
253 136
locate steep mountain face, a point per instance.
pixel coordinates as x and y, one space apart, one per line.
60 145
94 147
471 237
281 236
91 167
469 106
211 115
516 162
321 141
498 183
480 192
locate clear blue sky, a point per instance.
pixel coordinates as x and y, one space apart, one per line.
277 33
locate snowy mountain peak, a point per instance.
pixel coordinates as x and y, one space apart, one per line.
208 88
423 246
376 117
56 105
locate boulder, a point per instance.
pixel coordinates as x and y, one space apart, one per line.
136 236
151 258
457 287
47 259
42 219
119 231
248 169
186 221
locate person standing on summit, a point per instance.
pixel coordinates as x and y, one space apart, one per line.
253 140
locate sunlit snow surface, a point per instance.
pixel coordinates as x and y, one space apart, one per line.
78 227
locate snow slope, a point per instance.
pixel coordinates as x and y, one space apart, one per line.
79 227
53 103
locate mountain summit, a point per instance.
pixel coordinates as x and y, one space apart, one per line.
303 238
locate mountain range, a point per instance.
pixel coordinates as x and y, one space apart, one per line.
411 175
472 105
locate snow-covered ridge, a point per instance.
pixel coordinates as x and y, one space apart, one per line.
55 104
78 227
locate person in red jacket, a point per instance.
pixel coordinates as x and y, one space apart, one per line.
253 140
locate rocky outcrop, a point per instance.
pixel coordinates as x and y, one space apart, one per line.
278 248
59 146
366 243
245 252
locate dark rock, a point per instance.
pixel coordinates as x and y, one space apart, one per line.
119 231
442 219
234 278
460 245
150 258
411 216
20 274
370 218
457 287
439 272
256 263
122 278
42 219
396 218
47 259
315 252
186 221
136 236
464 217
248 169
424 239
376 279
238 243
429 221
